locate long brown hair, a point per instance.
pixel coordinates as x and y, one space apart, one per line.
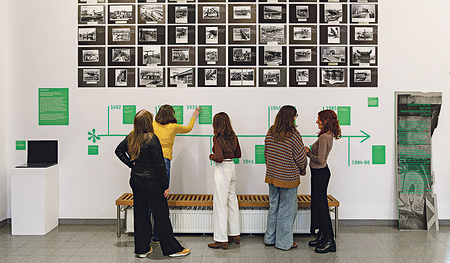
330 123
224 132
284 125
143 131
165 115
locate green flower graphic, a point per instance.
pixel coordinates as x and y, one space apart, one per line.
93 136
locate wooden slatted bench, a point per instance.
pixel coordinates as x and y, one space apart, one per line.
207 200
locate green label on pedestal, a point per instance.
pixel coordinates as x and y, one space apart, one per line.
21 145
236 160
343 114
54 106
259 154
129 111
378 154
205 116
92 149
178 113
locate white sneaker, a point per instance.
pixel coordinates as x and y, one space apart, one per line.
183 253
146 254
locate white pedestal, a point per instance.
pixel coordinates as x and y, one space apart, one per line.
34 200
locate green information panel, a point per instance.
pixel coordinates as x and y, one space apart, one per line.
372 102
92 149
259 154
236 160
53 106
129 111
178 113
378 154
205 116
21 145
343 114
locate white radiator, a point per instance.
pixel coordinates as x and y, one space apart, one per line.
200 220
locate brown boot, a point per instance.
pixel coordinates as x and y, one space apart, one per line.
216 245
236 239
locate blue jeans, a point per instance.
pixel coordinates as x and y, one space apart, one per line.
281 217
167 162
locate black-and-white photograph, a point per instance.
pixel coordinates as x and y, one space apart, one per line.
242 12
211 55
91 55
211 77
151 35
148 34
120 77
273 12
333 55
181 76
271 76
181 14
364 55
180 55
91 14
302 75
272 34
363 13
362 75
364 34
302 54
333 13
87 34
302 12
91 75
333 77
90 1
211 12
151 77
242 54
302 33
273 55
211 35
121 34
333 34
121 55
181 34
241 34
151 13
151 55
121 14
242 77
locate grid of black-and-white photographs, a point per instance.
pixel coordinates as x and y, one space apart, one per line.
228 43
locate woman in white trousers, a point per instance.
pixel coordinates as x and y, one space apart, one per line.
225 204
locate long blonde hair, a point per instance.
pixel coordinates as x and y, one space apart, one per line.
143 125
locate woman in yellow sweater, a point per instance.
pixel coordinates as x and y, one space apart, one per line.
165 127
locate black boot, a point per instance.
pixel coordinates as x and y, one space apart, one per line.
317 241
326 246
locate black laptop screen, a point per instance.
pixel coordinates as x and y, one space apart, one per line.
42 152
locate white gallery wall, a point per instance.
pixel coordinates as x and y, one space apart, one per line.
41 51
3 113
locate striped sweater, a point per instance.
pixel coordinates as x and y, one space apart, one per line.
285 161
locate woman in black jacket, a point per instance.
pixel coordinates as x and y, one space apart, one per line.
141 151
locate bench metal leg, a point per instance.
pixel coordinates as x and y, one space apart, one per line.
336 221
119 230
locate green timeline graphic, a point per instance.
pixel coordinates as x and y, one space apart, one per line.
205 117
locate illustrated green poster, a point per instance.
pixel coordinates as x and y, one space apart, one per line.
53 106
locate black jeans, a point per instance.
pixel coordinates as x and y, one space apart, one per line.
320 215
148 193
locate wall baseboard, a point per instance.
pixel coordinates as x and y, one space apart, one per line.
3 223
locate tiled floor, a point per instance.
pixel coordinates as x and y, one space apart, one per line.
88 243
